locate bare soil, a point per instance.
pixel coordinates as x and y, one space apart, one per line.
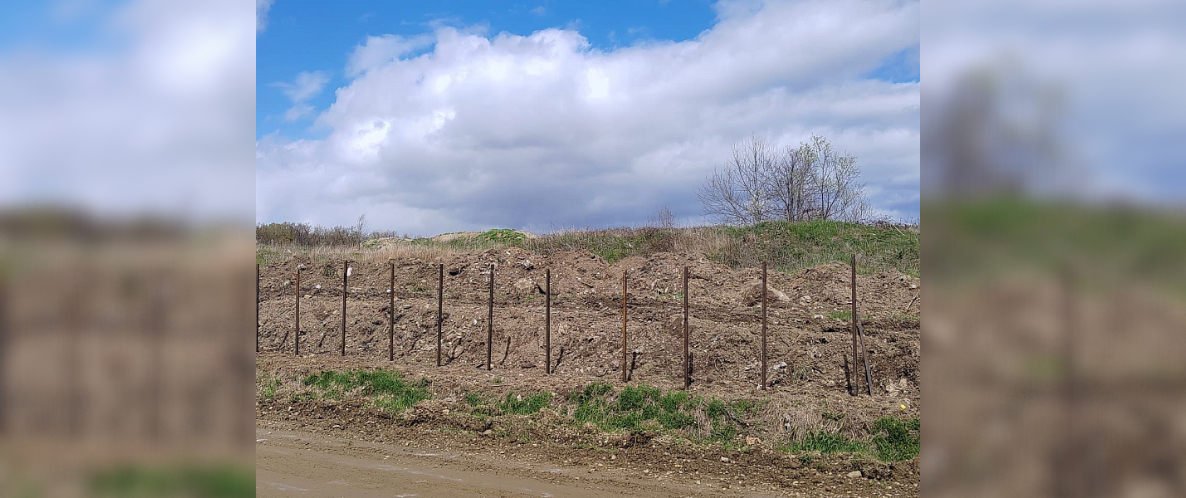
809 348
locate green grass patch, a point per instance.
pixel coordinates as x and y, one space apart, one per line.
827 442
197 481
636 407
270 387
840 315
524 405
896 439
791 246
503 236
388 387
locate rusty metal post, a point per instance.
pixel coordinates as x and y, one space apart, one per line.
345 274
440 308
490 321
548 321
257 307
860 330
687 377
763 325
624 325
297 343
857 378
391 317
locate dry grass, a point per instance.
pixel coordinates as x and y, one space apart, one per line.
785 246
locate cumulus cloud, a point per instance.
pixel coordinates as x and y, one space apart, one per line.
161 120
543 131
1115 108
306 85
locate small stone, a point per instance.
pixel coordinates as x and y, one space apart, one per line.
487 432
854 474
336 426
445 411
725 459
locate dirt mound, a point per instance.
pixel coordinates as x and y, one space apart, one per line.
808 328
446 237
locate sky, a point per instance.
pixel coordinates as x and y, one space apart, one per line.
129 108
431 117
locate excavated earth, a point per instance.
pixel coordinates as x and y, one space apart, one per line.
809 354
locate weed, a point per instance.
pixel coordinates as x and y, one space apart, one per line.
201 481
524 405
841 315
270 389
827 442
389 388
896 439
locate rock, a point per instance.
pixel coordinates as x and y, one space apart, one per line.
817 317
805 299
781 365
725 459
487 432
527 264
854 474
751 440
337 426
753 295
524 285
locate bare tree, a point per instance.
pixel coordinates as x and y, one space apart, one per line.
789 180
739 193
663 219
362 222
808 182
835 182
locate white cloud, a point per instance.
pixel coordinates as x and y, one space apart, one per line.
162 120
1120 108
261 14
306 85
379 50
543 131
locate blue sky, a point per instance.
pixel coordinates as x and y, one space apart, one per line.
307 35
316 35
442 116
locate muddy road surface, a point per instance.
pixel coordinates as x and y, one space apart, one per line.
292 463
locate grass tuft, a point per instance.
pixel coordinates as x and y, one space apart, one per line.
524 405
388 387
896 439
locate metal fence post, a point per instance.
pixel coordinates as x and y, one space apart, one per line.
548 321
440 307
624 325
490 321
687 369
764 325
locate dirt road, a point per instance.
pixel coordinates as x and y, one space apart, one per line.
297 463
